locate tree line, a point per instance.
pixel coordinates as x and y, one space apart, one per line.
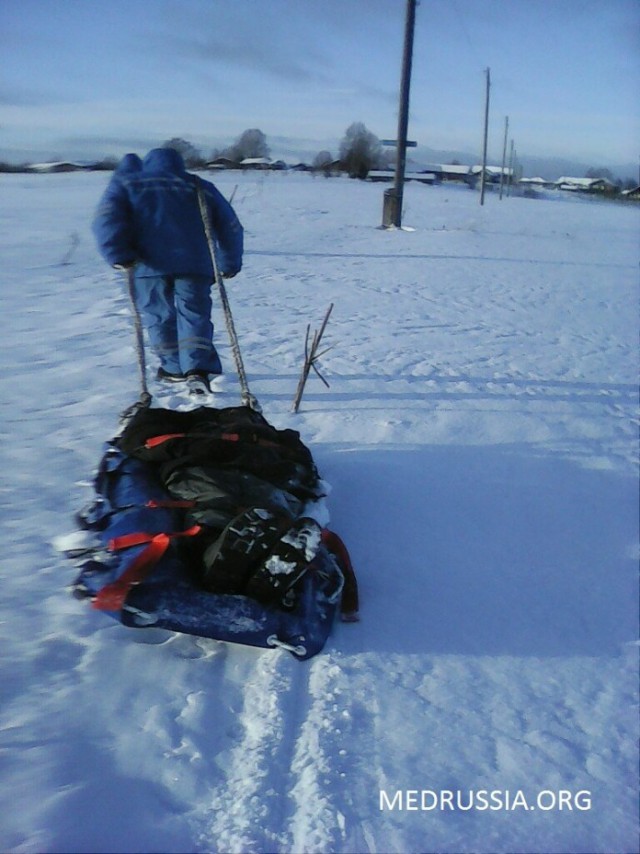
360 151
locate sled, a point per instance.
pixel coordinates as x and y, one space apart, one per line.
202 523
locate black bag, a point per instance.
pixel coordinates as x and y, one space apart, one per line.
246 484
263 555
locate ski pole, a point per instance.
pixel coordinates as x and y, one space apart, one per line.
145 397
247 398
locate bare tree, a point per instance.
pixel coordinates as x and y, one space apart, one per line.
322 162
251 143
192 157
600 172
360 151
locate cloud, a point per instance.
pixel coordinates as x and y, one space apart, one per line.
277 41
257 57
22 96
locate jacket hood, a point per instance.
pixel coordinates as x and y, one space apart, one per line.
129 163
164 160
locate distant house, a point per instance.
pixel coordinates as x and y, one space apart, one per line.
470 174
421 177
382 175
256 163
328 168
532 187
633 193
259 163
537 183
222 163
492 174
445 172
59 166
584 185
455 172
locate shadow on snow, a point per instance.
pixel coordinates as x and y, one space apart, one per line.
485 551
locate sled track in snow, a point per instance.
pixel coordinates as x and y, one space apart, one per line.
290 779
248 811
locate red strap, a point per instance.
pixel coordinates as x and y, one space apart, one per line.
112 596
153 441
128 540
154 504
350 602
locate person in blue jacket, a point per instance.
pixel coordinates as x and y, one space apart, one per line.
149 219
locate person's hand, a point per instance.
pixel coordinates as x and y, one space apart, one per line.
125 267
228 275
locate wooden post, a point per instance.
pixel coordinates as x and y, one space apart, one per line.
403 117
311 356
511 162
486 134
504 153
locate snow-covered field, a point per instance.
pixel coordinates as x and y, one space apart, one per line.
480 436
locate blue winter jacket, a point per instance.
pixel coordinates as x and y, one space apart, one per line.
149 214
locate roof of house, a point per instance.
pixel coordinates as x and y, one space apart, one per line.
586 183
491 170
57 164
389 175
455 168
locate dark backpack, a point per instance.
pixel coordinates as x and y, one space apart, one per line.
245 484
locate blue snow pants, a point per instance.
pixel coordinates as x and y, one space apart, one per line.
176 312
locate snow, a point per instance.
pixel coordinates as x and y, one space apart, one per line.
480 438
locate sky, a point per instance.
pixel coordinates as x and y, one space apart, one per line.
97 78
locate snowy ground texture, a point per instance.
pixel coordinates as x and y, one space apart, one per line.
480 436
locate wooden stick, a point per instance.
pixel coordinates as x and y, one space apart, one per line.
311 356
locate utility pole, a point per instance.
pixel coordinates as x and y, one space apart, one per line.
504 153
511 164
486 134
403 118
